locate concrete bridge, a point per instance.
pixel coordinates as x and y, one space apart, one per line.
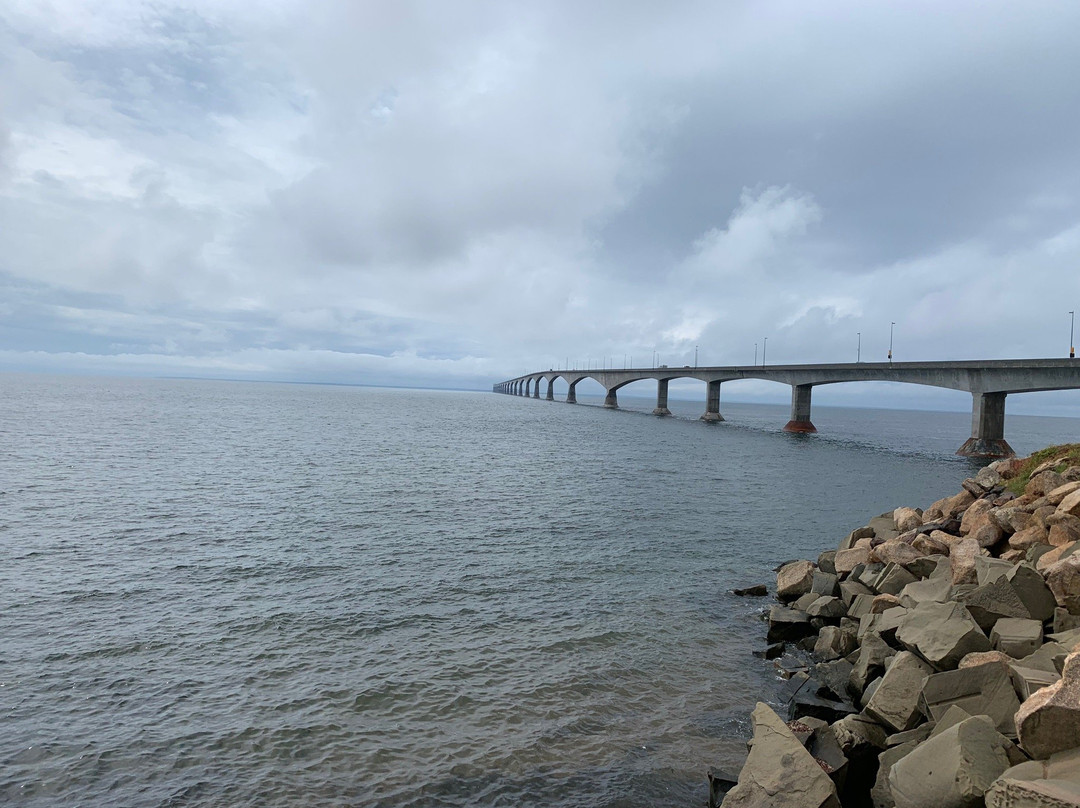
987 381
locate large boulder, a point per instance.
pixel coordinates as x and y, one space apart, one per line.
895 703
962 557
1049 721
1053 783
941 633
779 772
788 624
977 515
952 769
1070 504
1063 578
1019 592
894 551
907 519
794 579
834 642
949 507
1016 636
847 560
874 653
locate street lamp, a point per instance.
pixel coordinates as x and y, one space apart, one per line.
695 356
755 354
764 345
1072 348
858 350
890 340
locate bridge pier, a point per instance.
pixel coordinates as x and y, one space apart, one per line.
611 401
571 394
536 388
987 427
712 403
551 390
661 398
800 409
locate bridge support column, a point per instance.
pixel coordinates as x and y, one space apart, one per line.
610 400
551 390
712 403
571 394
661 398
987 427
536 389
800 409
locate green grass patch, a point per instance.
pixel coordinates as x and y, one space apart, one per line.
1063 456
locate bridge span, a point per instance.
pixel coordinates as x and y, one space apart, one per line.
989 382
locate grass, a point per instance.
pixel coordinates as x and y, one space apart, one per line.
1065 455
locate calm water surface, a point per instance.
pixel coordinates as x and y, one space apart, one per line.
246 594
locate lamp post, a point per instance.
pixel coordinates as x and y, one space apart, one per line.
890 341
858 349
1072 348
695 356
755 354
764 345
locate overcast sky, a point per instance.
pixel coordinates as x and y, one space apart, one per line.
451 193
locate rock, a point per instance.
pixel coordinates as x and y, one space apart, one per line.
1027 681
835 678
861 740
892 579
788 624
927 544
720 783
951 770
1035 553
849 590
884 625
780 773
833 643
907 519
826 562
1049 721
1028 537
827 607
989 479
874 653
978 658
756 591
894 552
802 603
772 652
868 575
934 589
1063 578
1063 621
988 570
987 535
847 560
1044 482
941 633
1063 530
1014 556
977 515
895 703
1058 494
825 583
883 603
1053 783
949 507
927 565
1042 515
881 794
884 526
854 536
962 559
1011 518
1020 592
1051 557
1044 657
983 690
830 757
862 605
794 579
1016 636
1070 504
920 733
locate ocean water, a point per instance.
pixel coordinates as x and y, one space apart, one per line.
239 594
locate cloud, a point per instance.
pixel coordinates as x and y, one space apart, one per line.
424 193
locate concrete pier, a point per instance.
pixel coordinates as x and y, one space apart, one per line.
800 409
661 398
551 390
988 381
712 403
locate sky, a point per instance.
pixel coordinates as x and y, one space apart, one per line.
449 194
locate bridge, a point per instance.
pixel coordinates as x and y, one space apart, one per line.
989 382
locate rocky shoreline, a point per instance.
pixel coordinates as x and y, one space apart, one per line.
933 658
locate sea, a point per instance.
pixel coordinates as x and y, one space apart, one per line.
247 594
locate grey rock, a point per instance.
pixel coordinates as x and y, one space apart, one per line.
779 772
881 794
1027 681
895 703
828 608
874 653
982 690
952 770
893 579
941 633
835 678
1049 721
833 643
787 624
849 590
825 583
826 562
1016 636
